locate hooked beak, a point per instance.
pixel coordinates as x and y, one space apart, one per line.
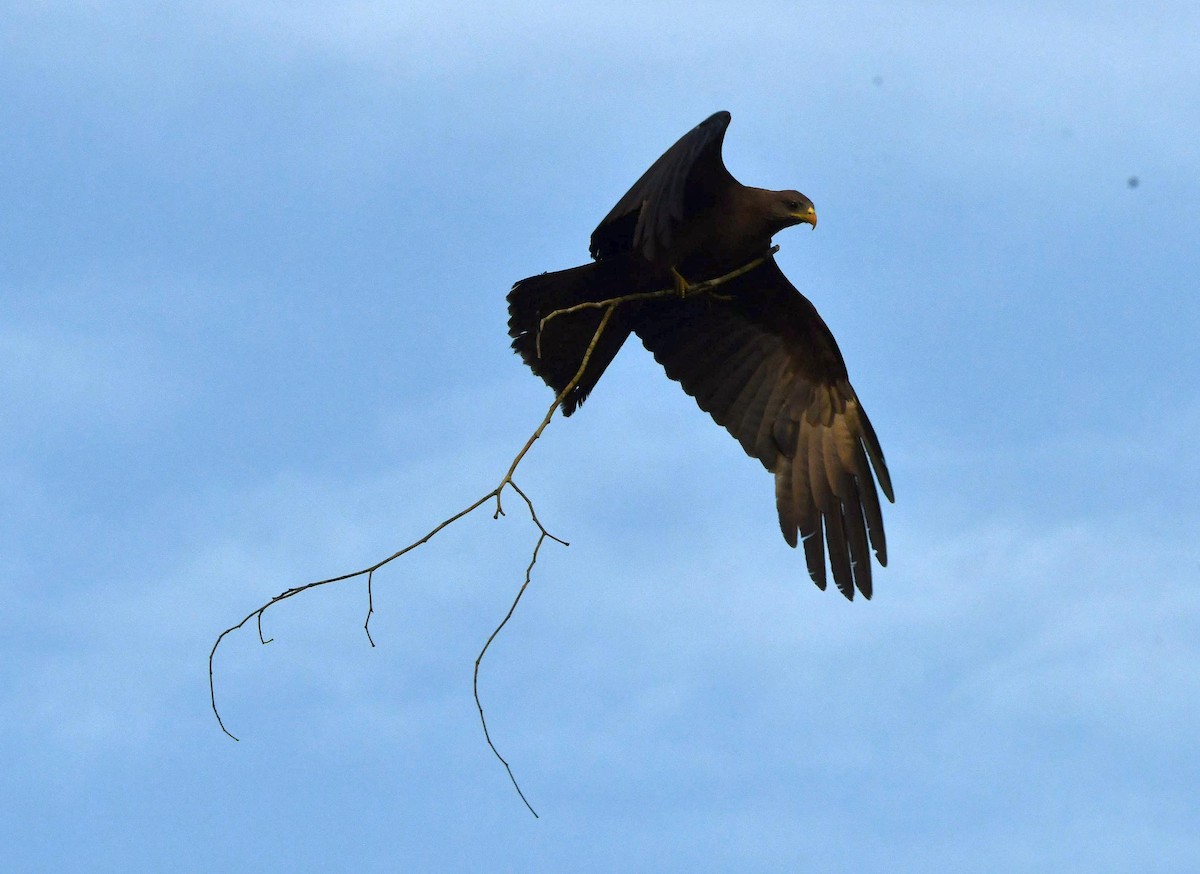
806 216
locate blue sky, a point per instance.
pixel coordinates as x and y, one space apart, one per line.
252 333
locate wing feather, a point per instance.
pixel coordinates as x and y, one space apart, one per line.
839 552
856 538
785 503
763 364
749 410
734 382
687 177
765 448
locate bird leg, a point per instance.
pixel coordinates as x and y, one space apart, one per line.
680 284
686 289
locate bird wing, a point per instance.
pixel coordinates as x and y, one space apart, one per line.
755 355
687 177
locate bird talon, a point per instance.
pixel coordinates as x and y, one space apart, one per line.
681 285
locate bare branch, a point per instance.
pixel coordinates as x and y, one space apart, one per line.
479 659
370 609
610 306
293 592
698 288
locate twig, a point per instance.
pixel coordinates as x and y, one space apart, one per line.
541 538
370 609
479 660
507 480
610 307
691 291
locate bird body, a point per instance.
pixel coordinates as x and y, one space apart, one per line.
755 355
726 235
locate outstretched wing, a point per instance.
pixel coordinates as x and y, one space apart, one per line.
689 176
756 356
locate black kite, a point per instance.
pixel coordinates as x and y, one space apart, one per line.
754 353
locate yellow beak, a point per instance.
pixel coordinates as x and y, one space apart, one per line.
808 216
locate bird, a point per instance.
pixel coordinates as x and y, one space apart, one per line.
753 352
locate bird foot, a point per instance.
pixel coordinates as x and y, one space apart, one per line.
681 285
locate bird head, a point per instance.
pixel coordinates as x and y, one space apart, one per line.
792 208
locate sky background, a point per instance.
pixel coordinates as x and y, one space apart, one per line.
253 260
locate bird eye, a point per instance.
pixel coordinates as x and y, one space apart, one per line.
793 204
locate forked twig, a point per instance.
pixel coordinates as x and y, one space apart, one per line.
610 306
507 480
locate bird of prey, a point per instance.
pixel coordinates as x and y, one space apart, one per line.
753 351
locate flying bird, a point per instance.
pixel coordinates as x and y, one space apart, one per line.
753 351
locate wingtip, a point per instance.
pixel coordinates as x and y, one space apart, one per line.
721 117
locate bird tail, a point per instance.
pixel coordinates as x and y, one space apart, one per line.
555 350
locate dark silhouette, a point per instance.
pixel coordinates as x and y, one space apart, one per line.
753 352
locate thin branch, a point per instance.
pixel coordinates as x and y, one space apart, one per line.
479 659
508 479
370 609
296 590
691 291
610 307
570 386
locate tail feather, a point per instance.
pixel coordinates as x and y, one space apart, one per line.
556 355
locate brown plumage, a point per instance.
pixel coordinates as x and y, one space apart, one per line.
755 355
